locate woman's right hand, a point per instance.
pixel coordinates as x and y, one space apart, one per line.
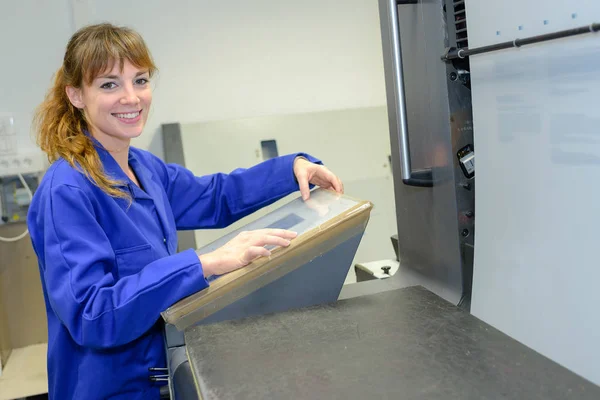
243 249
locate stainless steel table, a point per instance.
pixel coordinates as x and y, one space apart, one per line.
404 343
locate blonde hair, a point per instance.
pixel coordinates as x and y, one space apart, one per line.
59 125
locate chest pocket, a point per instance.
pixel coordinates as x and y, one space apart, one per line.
132 260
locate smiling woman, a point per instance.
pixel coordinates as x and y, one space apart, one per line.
105 72
104 220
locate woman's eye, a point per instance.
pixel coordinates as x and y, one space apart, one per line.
108 85
141 81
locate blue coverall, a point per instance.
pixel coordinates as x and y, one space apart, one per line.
108 268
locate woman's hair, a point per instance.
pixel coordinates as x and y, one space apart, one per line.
60 126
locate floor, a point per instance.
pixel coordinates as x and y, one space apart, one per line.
25 373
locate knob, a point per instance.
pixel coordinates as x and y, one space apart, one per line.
466 185
464 232
469 214
386 270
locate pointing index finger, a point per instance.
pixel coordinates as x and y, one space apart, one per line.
284 233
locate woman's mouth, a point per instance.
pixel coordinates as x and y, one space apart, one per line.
128 118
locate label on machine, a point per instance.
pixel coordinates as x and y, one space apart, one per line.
466 158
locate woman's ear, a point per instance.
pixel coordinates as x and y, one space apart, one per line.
75 96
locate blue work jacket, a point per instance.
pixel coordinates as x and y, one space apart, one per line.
109 268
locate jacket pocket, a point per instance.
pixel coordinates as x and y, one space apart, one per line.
132 260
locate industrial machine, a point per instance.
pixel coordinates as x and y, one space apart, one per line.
431 133
411 335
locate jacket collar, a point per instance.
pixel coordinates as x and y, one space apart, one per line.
144 174
113 170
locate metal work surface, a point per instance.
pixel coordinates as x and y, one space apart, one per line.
406 343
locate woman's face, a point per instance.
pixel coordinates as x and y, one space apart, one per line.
116 104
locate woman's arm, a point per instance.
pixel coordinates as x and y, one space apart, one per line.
218 200
98 310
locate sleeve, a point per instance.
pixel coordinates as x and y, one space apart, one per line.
99 311
216 201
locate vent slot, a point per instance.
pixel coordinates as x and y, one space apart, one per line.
460 24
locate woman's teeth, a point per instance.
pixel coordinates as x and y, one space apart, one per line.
128 115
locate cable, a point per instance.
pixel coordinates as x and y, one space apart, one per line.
22 235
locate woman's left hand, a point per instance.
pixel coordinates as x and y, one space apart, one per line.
309 173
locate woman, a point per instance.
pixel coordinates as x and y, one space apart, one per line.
103 221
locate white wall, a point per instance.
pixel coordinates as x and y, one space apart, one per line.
230 59
537 138
217 60
33 35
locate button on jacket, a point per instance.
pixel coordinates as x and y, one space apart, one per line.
109 268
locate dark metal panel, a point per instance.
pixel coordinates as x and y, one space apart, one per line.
439 124
182 379
173 336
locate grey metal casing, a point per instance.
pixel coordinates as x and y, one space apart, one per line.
181 377
173 151
431 220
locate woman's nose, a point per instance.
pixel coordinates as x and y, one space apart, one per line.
129 96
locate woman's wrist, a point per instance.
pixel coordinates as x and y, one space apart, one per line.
208 263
